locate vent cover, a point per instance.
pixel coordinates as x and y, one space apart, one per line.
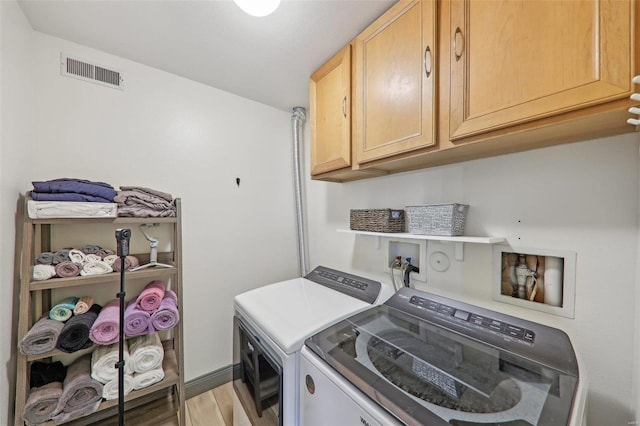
82 70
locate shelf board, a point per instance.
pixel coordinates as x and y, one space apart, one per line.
112 277
458 241
171 378
406 235
92 220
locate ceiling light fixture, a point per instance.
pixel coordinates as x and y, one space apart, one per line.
258 7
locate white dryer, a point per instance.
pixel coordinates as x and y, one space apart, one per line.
272 323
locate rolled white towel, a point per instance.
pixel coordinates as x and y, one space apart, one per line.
77 256
95 268
43 272
110 258
92 258
110 389
143 380
145 353
103 362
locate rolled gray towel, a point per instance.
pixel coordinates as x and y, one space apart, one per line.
90 249
79 390
45 258
61 256
42 337
42 403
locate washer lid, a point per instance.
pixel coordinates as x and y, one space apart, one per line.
290 311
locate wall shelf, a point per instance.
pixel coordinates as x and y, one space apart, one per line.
458 241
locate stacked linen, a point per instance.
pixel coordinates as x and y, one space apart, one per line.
145 356
155 308
67 189
103 361
81 394
137 201
72 198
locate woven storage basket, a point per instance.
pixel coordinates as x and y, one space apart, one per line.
377 220
437 219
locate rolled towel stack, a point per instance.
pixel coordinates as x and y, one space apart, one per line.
42 403
41 337
136 321
106 329
104 359
145 357
63 310
81 394
168 314
43 272
75 334
150 298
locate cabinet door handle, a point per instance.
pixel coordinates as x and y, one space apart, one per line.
455 44
427 69
344 107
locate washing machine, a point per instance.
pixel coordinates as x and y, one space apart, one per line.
271 324
422 359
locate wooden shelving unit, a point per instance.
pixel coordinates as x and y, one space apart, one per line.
35 300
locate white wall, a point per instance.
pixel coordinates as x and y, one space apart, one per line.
580 197
16 139
167 133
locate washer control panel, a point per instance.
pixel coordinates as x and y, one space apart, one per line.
480 322
361 288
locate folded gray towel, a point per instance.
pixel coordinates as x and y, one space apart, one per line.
45 258
61 256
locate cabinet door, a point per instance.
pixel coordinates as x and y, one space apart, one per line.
514 61
395 81
330 104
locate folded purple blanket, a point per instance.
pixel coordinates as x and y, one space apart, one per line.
68 196
167 315
75 334
106 329
80 186
136 321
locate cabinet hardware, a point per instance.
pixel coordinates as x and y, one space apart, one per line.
455 44
344 107
427 70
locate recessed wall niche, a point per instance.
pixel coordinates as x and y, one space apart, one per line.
539 279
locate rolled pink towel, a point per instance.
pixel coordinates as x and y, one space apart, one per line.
150 298
167 315
67 269
136 321
106 329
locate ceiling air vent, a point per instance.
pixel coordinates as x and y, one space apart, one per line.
72 67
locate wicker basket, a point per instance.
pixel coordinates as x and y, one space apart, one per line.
377 220
437 219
